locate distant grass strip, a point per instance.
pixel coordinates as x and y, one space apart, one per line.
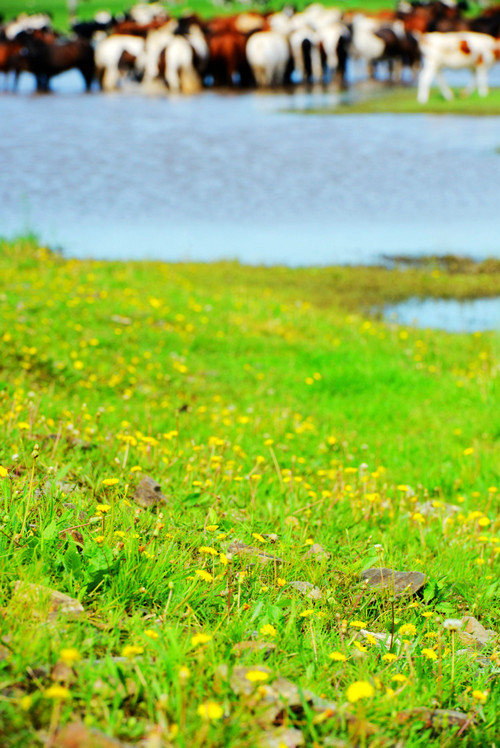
403 100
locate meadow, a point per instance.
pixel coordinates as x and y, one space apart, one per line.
298 440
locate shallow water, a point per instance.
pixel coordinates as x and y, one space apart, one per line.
230 176
447 314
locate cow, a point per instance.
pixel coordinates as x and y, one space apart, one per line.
457 50
268 54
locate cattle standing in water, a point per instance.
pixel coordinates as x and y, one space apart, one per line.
458 50
46 59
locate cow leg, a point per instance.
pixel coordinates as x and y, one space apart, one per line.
444 87
424 84
482 80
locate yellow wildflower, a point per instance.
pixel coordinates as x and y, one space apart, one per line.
200 639
256 676
207 550
103 508
357 624
408 629
210 710
429 654
360 689
152 634
390 657
337 656
258 537
205 575
399 678
131 650
3 472
268 630
110 481
69 656
57 692
480 696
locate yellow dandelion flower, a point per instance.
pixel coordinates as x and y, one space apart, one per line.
103 508
484 522
399 678
360 689
205 575
152 634
3 472
306 613
211 528
58 693
357 624
258 537
210 710
408 629
207 550
268 630
429 654
131 650
69 656
390 657
184 672
337 657
280 582
256 676
110 481
359 646
480 696
200 639
99 539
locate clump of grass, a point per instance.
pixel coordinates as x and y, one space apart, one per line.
272 411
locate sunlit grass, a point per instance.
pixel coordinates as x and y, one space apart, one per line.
273 410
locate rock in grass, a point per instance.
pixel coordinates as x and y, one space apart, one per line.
397 583
474 634
43 602
317 553
237 548
148 493
436 718
78 735
307 589
283 737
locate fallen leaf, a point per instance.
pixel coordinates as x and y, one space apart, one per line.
398 583
307 589
148 493
43 602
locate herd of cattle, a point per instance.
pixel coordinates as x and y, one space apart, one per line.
256 49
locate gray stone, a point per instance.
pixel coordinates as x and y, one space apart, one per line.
397 583
148 493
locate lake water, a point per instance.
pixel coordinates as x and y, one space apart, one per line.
446 314
232 176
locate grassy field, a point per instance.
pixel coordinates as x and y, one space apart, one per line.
87 8
205 8
274 411
399 100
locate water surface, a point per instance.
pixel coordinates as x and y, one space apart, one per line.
451 315
230 176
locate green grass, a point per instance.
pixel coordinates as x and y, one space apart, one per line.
205 8
264 401
404 101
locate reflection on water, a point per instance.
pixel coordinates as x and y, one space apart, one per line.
229 176
447 314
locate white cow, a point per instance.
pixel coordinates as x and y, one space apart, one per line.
181 75
108 54
457 50
268 54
